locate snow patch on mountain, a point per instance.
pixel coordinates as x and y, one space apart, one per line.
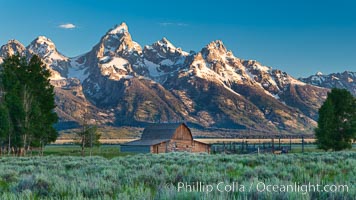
261 68
116 63
152 68
166 62
77 70
115 68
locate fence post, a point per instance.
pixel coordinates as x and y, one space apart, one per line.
247 147
272 144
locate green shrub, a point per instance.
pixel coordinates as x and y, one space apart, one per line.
148 176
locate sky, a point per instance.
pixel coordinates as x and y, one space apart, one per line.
300 37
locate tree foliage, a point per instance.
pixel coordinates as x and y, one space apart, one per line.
27 103
337 121
87 136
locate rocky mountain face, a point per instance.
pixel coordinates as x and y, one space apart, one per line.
346 80
120 83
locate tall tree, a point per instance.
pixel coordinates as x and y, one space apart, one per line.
43 93
11 86
29 99
337 121
4 115
4 124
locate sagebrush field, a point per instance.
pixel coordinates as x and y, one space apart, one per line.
148 176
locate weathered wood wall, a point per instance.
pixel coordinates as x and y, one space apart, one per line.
200 147
182 140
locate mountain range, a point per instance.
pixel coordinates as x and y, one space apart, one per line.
119 82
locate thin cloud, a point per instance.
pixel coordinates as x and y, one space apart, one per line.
172 24
182 24
67 26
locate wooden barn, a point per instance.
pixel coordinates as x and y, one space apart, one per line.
163 138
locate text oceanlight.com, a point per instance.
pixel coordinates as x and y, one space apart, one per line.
259 187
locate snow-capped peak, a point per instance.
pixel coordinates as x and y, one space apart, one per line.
13 41
44 47
119 29
12 47
163 47
319 74
217 45
166 43
46 50
43 39
118 41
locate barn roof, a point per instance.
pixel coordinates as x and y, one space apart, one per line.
156 133
145 142
160 131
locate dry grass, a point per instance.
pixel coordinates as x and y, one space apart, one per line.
254 141
107 132
208 141
119 135
103 141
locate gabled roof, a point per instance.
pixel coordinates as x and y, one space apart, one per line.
157 133
160 131
145 142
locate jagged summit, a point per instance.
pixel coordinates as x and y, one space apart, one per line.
12 47
47 51
43 39
346 80
164 46
216 51
125 85
118 41
44 47
119 29
166 43
217 45
14 41
163 58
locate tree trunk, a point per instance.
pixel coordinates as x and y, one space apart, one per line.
83 145
24 143
10 131
27 102
91 142
9 147
42 148
29 149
